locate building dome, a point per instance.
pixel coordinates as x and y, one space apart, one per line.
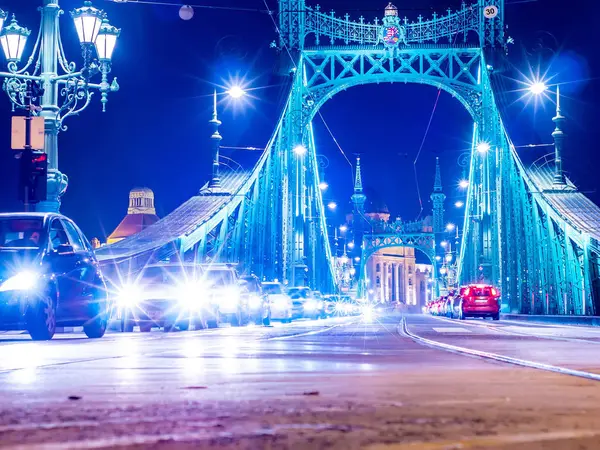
140 214
391 10
141 201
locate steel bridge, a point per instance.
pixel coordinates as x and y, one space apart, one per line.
526 229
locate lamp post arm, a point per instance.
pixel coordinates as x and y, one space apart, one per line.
19 76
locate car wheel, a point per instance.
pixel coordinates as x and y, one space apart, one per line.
96 327
267 320
41 317
184 326
214 323
126 323
496 316
235 321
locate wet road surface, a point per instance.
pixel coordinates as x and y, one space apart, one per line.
336 383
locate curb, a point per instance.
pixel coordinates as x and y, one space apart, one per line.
590 321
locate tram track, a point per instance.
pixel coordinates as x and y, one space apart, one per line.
403 330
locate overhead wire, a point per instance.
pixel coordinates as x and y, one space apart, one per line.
278 31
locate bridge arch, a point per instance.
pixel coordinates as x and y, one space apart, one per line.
330 71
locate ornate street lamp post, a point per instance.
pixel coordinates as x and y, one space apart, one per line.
66 93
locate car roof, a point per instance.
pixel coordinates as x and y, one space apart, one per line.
31 215
166 264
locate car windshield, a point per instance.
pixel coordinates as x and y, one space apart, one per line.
170 274
25 232
298 293
219 277
478 291
272 288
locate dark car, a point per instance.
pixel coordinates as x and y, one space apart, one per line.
257 307
299 296
166 295
49 277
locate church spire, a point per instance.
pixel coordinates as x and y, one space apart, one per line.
358 187
438 197
437 185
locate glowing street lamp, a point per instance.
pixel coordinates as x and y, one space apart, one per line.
483 147
67 91
332 205
300 150
538 87
459 204
444 244
343 228
236 92
323 186
463 184
450 227
350 245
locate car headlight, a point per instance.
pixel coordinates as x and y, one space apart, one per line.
255 302
230 297
282 302
310 305
129 295
190 295
22 281
367 312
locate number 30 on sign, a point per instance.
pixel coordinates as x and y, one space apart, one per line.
490 12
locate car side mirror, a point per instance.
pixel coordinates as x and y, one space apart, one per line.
65 249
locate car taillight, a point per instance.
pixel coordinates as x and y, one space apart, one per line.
467 292
494 292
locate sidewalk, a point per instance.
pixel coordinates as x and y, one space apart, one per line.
590 321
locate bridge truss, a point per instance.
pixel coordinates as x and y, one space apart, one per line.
539 245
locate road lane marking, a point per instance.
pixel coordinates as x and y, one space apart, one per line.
451 330
403 329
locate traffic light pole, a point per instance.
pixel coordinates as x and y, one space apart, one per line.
27 182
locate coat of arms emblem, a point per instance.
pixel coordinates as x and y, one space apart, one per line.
392 34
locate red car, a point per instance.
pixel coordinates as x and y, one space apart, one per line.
479 300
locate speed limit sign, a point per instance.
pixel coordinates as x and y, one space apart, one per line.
490 12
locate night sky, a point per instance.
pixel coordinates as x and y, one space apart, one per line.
155 131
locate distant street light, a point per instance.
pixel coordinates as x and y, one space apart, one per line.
343 228
459 204
300 150
332 205
444 244
236 92
483 147
64 94
538 87
350 245
323 186
463 184
450 227
357 259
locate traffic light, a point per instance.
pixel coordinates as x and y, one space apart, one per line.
34 174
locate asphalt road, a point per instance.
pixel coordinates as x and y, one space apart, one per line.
329 384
